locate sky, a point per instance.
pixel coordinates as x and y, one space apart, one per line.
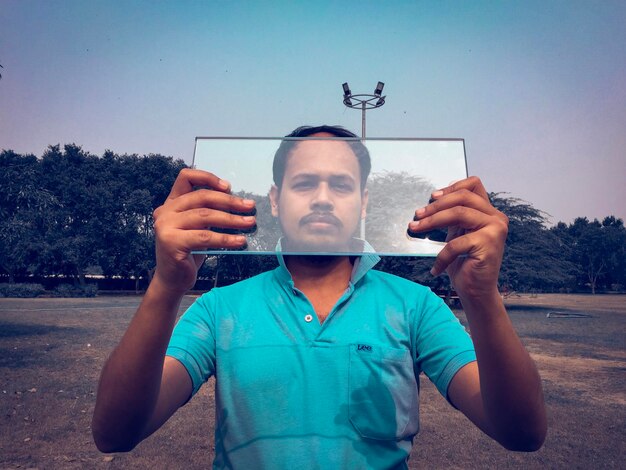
536 88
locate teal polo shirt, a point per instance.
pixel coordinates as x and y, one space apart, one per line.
294 393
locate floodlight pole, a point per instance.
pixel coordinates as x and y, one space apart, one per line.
363 120
364 102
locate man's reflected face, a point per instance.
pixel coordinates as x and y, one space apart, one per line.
320 202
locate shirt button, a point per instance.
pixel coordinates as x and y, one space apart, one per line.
308 318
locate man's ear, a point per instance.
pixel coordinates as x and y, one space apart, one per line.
364 201
274 200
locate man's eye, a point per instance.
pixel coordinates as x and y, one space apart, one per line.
343 187
303 185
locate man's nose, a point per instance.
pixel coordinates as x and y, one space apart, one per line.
322 198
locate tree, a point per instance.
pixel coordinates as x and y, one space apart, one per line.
133 187
70 212
615 243
598 249
25 209
393 199
533 257
105 210
73 236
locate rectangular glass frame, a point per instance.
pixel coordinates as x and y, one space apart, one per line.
404 173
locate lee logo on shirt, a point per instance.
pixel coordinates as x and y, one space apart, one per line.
364 347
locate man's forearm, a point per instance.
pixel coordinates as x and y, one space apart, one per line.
130 380
510 384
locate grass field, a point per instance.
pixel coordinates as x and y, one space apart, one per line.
52 350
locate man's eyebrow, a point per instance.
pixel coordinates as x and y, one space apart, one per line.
344 176
305 175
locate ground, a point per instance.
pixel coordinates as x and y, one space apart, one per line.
52 350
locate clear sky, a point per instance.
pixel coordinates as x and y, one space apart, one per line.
536 88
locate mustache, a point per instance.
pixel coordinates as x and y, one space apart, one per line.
324 217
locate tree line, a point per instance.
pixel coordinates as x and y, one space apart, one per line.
71 213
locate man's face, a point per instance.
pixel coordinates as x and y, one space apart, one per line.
320 203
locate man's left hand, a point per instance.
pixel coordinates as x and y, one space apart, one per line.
476 236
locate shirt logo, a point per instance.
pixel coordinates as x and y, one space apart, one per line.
364 347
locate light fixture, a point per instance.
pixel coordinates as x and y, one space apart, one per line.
379 89
346 94
363 101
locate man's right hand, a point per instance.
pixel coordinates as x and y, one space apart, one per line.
182 225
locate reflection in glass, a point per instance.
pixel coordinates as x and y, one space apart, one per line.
319 195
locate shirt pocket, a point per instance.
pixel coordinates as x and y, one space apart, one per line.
383 396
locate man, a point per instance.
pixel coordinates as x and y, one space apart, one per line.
316 362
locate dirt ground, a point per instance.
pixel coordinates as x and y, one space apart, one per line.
52 350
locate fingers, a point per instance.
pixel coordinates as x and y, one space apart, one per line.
204 208
204 239
178 241
203 217
472 184
189 230
468 193
211 199
459 216
461 198
187 179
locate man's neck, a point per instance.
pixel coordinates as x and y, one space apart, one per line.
322 279
320 272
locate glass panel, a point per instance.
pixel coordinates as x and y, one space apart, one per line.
321 200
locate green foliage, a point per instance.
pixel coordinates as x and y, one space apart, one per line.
597 249
21 290
70 210
533 258
25 208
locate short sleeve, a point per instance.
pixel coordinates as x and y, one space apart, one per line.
193 341
443 344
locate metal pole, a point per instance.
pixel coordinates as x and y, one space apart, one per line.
363 120
362 232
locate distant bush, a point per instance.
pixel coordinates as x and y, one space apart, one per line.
21 290
68 290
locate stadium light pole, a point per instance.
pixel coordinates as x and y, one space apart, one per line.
363 101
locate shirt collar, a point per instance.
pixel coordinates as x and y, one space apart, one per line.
362 264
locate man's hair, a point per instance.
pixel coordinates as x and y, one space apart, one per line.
287 145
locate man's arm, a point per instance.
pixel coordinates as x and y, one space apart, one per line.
136 386
500 392
139 388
